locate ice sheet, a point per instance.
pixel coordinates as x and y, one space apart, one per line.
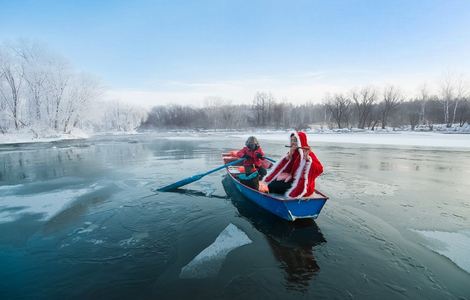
46 204
453 245
208 262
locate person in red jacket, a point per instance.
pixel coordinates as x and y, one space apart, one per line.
294 175
253 155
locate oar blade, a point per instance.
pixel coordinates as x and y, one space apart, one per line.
180 183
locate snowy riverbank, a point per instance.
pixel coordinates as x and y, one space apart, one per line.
382 137
397 138
439 139
29 137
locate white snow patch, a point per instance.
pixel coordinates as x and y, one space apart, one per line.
28 137
453 245
48 204
10 188
208 262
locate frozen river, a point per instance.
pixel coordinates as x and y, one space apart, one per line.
79 219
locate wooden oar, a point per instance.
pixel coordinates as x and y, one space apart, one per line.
194 178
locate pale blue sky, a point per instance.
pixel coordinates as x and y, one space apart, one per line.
160 51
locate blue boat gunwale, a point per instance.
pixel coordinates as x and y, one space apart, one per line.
324 198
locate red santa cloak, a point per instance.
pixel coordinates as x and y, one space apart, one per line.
303 170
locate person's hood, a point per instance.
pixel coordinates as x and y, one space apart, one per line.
301 138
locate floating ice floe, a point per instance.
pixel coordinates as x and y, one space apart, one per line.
47 205
453 245
209 261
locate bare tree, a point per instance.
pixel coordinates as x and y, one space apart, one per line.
447 95
391 100
423 97
339 108
220 110
261 101
412 113
279 114
364 101
464 111
460 96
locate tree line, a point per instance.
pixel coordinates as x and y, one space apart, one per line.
363 108
265 112
369 107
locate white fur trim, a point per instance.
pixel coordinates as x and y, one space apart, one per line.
277 164
308 165
298 174
274 168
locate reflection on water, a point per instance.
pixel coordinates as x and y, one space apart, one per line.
190 192
292 243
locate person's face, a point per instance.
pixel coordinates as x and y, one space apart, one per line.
293 141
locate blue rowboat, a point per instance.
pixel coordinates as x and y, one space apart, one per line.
280 205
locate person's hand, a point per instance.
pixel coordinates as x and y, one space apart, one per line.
288 178
259 155
282 176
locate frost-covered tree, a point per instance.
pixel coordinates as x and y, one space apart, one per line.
11 84
41 92
119 116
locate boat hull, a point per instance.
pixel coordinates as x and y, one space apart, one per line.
288 209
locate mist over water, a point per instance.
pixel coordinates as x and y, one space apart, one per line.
81 219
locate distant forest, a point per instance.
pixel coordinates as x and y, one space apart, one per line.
365 108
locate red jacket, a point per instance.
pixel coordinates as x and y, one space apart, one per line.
253 160
303 171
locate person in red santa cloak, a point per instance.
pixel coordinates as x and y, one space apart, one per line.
294 175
